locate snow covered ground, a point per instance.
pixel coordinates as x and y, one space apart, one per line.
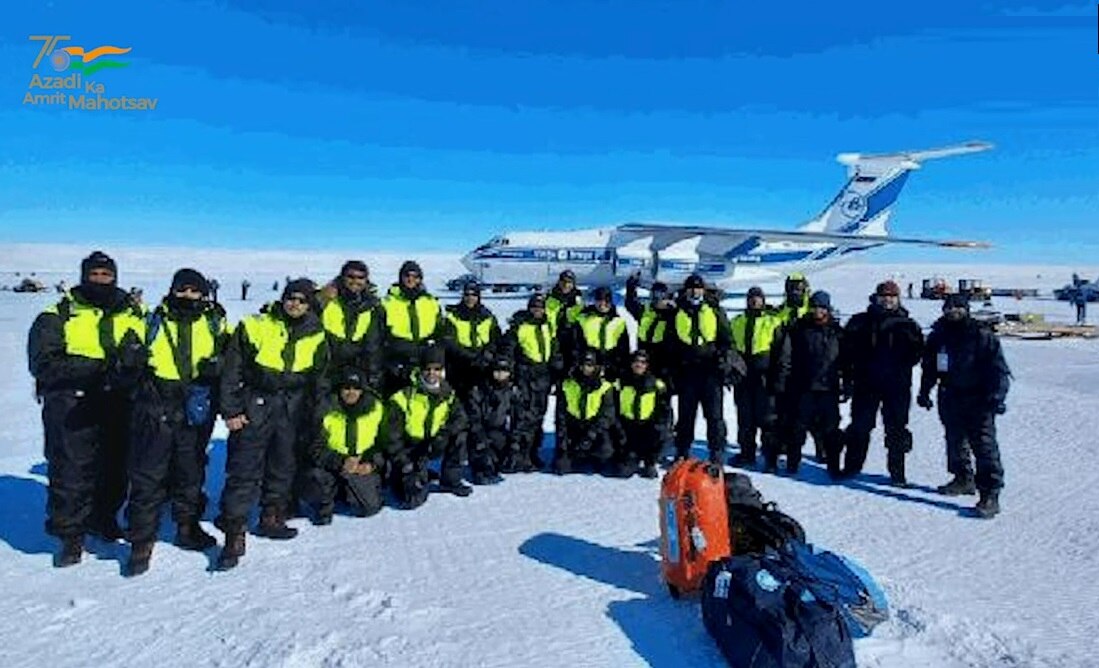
548 571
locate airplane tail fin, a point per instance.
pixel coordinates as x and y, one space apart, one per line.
864 204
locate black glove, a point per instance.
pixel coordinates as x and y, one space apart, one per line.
924 401
132 354
209 369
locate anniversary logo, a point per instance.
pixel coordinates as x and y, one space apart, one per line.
72 85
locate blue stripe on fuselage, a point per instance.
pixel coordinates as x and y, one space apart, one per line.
570 255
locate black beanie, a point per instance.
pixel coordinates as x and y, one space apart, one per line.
536 301
354 265
302 286
694 281
432 354
954 300
472 288
820 299
97 260
351 377
410 266
756 291
190 277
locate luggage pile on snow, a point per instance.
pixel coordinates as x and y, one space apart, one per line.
769 598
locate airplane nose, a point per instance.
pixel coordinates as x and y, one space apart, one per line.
470 262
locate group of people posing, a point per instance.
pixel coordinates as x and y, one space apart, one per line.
333 394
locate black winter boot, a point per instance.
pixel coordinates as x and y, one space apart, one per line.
140 554
72 550
273 525
958 486
989 504
451 481
233 550
895 463
191 536
648 470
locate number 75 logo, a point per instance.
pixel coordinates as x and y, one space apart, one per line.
48 44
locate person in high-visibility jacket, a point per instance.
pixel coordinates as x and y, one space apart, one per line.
564 303
586 419
645 414
353 320
348 452
655 322
599 327
753 335
412 320
532 344
471 335
275 374
701 344
174 415
796 303
426 421
85 354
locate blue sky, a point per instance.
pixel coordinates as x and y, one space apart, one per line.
435 125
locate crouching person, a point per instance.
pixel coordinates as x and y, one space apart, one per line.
499 425
644 412
347 454
425 422
587 419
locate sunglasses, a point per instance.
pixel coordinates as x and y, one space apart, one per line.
355 277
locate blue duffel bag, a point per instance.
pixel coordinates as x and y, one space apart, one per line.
762 613
842 582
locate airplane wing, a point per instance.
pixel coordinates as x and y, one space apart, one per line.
672 231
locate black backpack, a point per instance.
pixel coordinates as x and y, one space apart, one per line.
755 525
762 615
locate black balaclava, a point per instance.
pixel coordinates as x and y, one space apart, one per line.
99 294
184 278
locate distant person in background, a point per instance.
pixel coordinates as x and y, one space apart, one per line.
910 290
275 286
963 357
214 286
244 285
1080 300
86 354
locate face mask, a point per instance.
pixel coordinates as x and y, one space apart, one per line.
695 301
97 293
184 305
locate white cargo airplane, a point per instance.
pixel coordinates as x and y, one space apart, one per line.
855 221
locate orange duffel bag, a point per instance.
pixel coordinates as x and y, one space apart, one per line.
694 523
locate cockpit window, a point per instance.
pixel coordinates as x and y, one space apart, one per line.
494 242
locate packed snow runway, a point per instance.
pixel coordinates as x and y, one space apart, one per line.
548 571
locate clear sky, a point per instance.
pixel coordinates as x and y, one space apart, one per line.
393 125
